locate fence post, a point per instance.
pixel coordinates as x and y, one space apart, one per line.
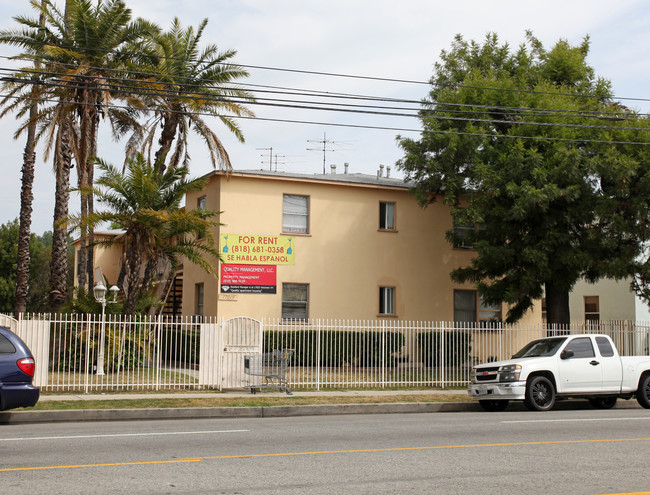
318 356
443 354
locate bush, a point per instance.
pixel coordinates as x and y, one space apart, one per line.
337 348
457 347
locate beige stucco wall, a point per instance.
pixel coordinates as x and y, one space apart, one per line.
345 258
108 258
617 300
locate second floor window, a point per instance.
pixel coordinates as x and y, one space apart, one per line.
295 214
201 204
386 216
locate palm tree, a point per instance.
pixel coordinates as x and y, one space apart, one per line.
147 205
188 83
80 50
25 93
103 43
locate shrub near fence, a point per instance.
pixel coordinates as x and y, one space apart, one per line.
457 347
335 348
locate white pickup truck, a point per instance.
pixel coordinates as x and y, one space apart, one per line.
583 366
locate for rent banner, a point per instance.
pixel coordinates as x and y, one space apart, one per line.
248 279
257 249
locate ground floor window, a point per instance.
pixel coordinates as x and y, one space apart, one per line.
295 301
592 308
199 299
386 300
470 308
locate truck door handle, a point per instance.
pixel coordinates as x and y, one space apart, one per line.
594 363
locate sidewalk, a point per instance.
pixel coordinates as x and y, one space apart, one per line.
245 393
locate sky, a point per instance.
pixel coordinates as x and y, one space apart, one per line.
390 47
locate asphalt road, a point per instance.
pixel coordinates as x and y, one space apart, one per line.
572 451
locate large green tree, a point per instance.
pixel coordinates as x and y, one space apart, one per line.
529 146
147 206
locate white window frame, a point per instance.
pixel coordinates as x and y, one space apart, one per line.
387 301
387 215
297 212
294 304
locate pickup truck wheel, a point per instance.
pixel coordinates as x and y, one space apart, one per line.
643 393
540 394
493 405
603 402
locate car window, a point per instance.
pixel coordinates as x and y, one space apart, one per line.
604 347
581 347
6 347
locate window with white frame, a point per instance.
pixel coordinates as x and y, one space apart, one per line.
201 204
386 215
386 300
295 301
295 214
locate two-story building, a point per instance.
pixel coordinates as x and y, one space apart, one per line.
337 245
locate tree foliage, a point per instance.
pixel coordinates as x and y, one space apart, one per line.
530 145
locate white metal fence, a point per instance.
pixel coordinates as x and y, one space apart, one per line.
162 353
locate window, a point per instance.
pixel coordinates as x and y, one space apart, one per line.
581 347
201 204
465 233
6 347
469 307
604 347
544 311
592 308
386 216
386 300
295 214
295 298
199 295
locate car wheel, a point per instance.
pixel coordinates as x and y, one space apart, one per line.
643 392
493 405
603 402
540 394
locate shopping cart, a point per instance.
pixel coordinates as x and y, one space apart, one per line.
271 367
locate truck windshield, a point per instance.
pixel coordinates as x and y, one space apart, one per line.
538 348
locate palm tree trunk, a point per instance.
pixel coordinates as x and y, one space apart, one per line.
26 200
24 230
59 262
170 124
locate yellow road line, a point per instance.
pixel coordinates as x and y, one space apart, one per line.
324 452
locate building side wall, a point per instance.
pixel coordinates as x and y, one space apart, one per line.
617 301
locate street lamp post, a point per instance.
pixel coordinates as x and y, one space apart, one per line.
99 291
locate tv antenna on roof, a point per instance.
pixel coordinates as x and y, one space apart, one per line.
324 142
270 150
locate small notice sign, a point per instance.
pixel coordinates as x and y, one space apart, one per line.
248 279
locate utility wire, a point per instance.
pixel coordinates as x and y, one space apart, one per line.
330 107
359 126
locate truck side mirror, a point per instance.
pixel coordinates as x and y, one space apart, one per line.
566 354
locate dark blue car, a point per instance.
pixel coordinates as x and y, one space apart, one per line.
16 372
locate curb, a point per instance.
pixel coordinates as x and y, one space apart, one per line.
78 415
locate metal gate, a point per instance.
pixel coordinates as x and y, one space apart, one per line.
240 336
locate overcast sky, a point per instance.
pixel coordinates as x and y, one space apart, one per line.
377 39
